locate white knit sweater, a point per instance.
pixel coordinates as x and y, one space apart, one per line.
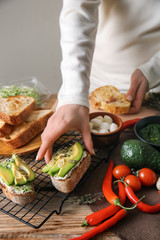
103 42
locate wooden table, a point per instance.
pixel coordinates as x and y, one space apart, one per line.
65 226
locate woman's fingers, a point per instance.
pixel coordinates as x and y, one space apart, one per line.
68 117
131 94
51 133
137 102
48 155
137 91
87 138
47 142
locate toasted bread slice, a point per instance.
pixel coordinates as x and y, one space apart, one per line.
5 128
15 110
68 184
22 194
110 99
19 198
26 131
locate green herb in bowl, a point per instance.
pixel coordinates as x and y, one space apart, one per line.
151 133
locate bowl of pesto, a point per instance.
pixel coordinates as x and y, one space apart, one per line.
148 130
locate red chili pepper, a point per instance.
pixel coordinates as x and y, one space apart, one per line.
104 226
140 205
99 216
129 123
111 197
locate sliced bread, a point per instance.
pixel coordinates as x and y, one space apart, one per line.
5 128
14 110
20 194
20 197
26 131
109 99
68 184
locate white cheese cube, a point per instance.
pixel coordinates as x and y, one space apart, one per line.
96 123
108 119
102 130
94 131
100 117
91 125
105 125
113 127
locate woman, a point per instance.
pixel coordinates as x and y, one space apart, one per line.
108 42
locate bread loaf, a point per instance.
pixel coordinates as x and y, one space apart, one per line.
15 110
27 130
109 99
5 128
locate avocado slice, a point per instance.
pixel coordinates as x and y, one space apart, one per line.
71 162
20 177
24 167
7 175
55 169
56 159
49 165
73 155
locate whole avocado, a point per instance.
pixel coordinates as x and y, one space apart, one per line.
137 154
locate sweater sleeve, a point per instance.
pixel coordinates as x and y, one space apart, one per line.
151 70
78 26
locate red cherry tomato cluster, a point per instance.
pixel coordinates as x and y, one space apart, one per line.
144 176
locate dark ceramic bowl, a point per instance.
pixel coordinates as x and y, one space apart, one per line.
106 139
143 123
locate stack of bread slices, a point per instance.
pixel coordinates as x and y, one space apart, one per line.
19 121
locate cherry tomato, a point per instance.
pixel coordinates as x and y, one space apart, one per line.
147 176
121 171
134 182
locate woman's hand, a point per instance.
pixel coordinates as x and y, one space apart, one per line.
136 93
67 117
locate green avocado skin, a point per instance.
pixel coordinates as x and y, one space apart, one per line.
137 154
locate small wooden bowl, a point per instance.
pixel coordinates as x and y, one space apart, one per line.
106 139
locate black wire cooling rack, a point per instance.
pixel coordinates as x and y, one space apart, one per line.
47 197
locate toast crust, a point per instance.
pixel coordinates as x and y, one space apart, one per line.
16 116
25 132
21 199
67 185
110 99
5 128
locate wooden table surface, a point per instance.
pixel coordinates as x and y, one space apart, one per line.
65 226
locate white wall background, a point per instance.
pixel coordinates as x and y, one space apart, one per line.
29 41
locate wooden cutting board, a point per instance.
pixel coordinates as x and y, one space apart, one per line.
32 146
